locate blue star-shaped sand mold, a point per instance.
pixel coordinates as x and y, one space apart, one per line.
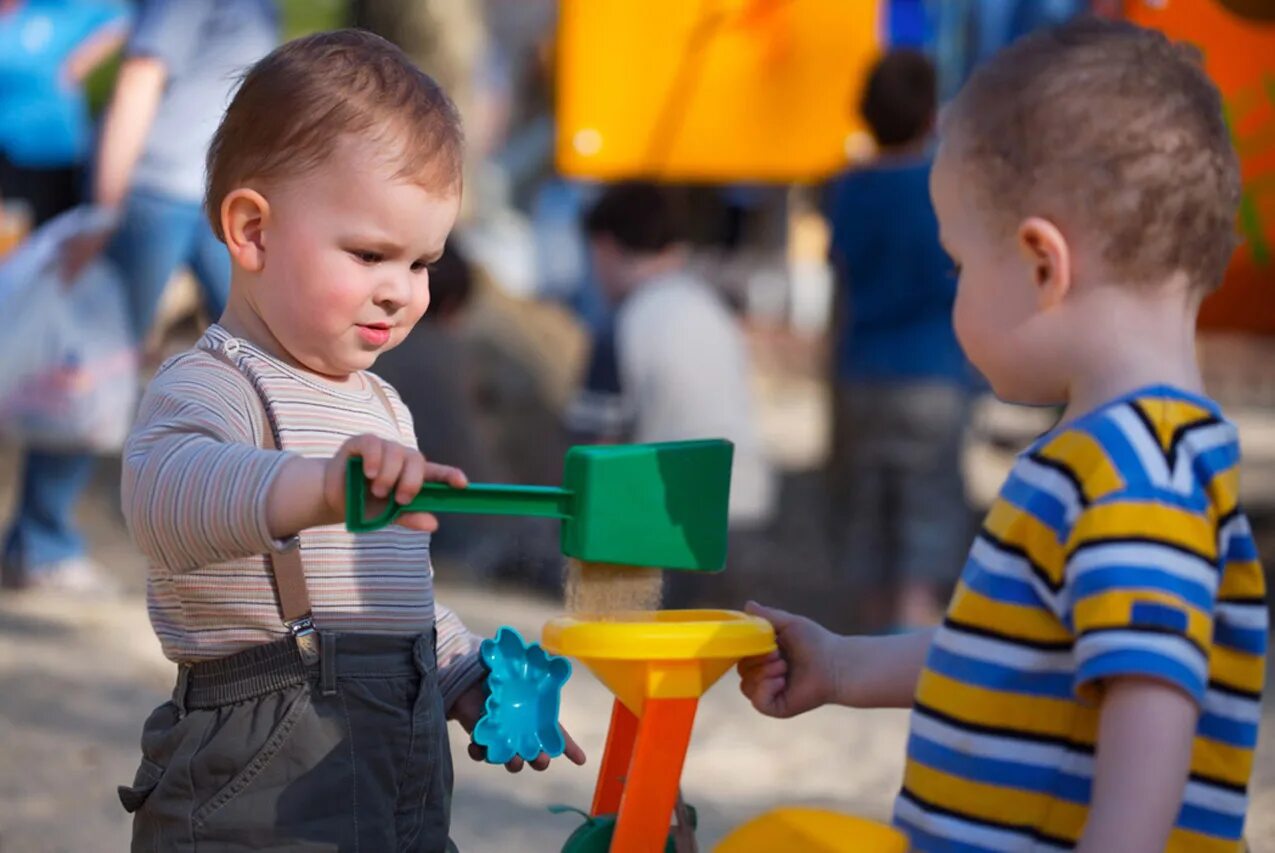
525 684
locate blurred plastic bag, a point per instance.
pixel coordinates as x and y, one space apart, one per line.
68 363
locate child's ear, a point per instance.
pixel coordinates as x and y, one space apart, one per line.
245 213
1045 250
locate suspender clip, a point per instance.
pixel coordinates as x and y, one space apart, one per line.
307 639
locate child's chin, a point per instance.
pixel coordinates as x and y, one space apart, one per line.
1021 396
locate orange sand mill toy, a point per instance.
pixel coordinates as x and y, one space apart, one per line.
657 664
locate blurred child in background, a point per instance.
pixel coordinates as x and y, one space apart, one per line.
901 394
674 366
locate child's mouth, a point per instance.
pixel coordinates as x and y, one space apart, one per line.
375 334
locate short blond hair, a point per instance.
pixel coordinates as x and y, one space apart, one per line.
1115 131
298 100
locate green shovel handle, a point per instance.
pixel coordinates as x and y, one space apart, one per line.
479 499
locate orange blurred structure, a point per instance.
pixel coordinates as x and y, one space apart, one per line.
711 90
1238 41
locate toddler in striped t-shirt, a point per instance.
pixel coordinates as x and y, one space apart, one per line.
316 671
1096 682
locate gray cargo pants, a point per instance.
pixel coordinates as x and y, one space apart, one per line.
257 751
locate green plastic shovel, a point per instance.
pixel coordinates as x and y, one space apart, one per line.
659 505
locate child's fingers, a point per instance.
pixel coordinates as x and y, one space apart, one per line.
411 479
476 752
573 751
369 448
514 765
541 763
766 694
435 473
748 665
779 618
423 521
755 682
392 458
773 669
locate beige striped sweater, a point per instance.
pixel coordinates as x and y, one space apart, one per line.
194 496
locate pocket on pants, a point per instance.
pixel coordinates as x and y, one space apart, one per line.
161 736
229 749
147 777
276 773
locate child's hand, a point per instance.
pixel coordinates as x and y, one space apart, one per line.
469 708
391 468
800 676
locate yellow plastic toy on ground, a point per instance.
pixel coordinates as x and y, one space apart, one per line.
812 831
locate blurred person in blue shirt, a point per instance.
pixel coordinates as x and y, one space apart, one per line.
47 50
182 62
901 380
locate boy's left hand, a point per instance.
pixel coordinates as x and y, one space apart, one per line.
469 708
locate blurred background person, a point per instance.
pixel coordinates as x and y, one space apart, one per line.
900 395
48 49
432 372
673 365
181 62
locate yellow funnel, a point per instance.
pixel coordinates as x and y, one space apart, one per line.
665 654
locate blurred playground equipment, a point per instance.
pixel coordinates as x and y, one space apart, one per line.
1237 39
731 90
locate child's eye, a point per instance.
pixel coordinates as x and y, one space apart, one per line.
421 266
366 257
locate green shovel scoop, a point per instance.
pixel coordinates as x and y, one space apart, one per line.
661 505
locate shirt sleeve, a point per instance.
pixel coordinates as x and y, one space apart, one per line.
459 664
195 481
167 30
1141 585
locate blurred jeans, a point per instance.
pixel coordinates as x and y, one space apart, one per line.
897 487
156 236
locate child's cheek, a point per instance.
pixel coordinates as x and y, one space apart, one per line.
348 291
420 302
962 316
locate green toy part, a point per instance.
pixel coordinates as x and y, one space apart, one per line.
594 835
657 505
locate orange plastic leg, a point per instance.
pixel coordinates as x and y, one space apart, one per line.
615 760
646 809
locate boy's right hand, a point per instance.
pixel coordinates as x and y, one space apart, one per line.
392 469
798 677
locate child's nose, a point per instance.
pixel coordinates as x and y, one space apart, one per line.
394 289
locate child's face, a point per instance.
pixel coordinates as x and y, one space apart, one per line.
347 248
997 316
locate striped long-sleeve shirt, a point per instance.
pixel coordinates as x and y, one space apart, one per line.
195 482
1117 547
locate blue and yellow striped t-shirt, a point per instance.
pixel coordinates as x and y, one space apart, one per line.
1117 547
